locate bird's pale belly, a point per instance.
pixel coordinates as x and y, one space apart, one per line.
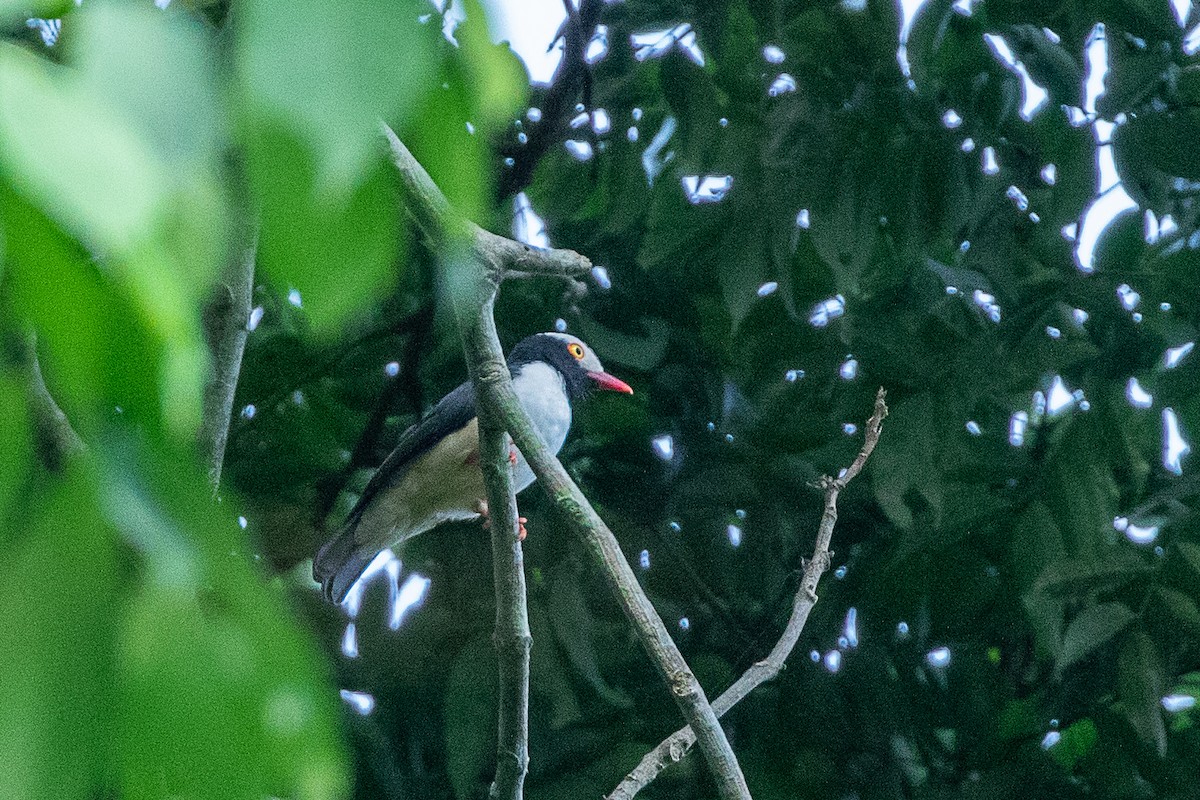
443 485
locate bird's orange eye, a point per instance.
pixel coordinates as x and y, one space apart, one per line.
576 350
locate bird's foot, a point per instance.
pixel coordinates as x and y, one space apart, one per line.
482 508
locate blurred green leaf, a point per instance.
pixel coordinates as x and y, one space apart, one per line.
58 640
16 10
159 71
1094 627
220 691
327 77
1140 688
496 76
97 357
336 251
50 133
124 206
16 444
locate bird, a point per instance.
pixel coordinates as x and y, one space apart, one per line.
433 476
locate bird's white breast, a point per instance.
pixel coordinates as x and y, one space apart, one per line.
543 395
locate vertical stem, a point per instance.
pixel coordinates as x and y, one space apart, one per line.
225 318
512 638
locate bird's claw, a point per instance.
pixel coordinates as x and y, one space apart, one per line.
482 508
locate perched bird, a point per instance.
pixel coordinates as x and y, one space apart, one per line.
433 475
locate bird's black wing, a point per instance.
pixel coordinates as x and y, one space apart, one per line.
341 560
451 413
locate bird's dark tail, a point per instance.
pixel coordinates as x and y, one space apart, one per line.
338 564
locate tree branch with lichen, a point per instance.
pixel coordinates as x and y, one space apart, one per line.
478 261
679 744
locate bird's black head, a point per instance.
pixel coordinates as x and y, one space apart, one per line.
574 360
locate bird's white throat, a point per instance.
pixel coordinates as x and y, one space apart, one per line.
543 395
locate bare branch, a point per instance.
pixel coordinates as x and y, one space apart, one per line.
440 222
600 542
679 744
512 639
226 320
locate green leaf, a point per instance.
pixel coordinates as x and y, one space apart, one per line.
496 76
119 206
471 719
328 76
1020 719
16 444
219 701
1077 576
158 70
1077 741
335 251
1140 682
903 468
17 10
1094 627
574 629
95 354
1181 607
58 645
220 689
50 132
1190 554
640 352
1036 542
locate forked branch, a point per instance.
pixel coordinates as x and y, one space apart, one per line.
679 744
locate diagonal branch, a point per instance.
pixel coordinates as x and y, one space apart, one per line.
679 744
475 276
442 224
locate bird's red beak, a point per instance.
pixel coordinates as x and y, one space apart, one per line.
614 384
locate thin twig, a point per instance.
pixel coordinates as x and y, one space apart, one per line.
571 81
56 440
475 276
679 744
226 319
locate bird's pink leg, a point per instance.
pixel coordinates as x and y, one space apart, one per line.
481 506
